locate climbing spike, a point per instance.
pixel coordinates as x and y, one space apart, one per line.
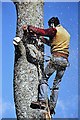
47 115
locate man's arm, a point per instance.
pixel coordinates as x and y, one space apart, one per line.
45 41
50 32
43 32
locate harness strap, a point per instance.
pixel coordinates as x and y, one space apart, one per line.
58 54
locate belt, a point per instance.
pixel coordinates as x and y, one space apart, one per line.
58 54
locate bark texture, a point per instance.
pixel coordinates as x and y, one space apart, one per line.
27 71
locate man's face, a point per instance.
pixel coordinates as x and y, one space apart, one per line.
52 25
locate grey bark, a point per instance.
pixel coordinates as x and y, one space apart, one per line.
27 72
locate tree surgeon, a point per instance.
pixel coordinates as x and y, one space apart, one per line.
59 39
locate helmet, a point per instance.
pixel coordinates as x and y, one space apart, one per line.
54 20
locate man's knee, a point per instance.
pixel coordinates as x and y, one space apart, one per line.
60 74
43 82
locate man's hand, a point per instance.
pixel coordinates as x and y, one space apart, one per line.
24 27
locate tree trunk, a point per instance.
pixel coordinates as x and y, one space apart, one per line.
27 70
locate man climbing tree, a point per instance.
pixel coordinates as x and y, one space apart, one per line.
59 39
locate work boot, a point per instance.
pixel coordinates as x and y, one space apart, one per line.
52 111
51 107
38 104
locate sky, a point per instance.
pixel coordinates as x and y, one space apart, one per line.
67 12
0 60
